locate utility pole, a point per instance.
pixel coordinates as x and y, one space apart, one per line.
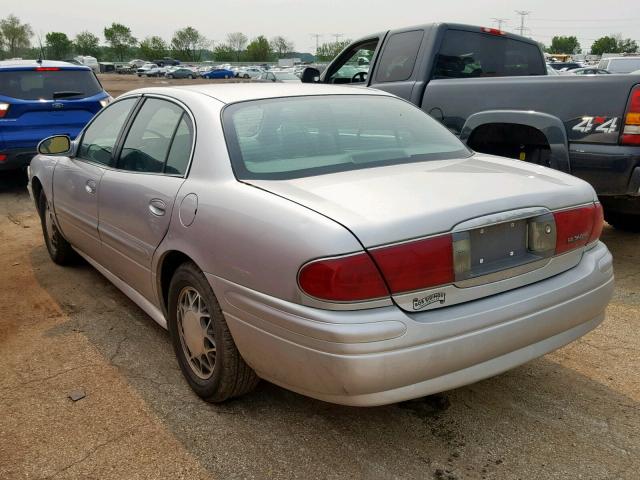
500 21
317 37
337 36
522 14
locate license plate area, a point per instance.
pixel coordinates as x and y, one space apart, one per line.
499 251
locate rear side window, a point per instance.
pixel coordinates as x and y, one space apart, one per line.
399 57
470 55
48 84
180 151
149 138
100 136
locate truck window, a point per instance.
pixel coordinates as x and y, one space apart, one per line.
356 64
468 55
399 57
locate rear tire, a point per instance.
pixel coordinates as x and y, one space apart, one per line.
202 342
627 222
59 249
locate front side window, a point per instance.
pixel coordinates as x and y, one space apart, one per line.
99 139
304 136
399 57
468 55
355 65
147 143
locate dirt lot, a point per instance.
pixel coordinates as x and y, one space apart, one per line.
118 84
572 414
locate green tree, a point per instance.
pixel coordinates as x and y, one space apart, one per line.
120 39
58 45
237 41
327 51
627 45
614 44
17 35
560 44
153 47
604 44
281 46
224 53
259 50
188 44
86 43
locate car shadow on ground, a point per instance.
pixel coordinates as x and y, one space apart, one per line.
535 421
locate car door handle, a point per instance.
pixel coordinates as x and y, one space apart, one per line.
157 207
90 186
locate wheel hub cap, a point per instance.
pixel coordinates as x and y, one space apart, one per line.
195 329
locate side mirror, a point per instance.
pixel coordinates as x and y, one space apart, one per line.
56 145
310 75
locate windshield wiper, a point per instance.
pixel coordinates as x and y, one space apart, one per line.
67 93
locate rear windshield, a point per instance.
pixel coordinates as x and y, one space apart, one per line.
296 137
468 55
41 85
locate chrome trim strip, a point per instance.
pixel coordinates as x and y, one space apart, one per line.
500 217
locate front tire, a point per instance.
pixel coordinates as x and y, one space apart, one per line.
59 249
202 342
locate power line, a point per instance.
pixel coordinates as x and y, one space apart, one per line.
500 21
522 14
337 36
317 37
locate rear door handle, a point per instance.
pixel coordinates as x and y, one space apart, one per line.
157 207
90 186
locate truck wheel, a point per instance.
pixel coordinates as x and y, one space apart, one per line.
204 347
623 221
59 249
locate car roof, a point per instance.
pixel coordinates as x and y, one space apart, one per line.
28 64
240 92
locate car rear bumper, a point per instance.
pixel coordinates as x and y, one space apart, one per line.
17 158
385 355
610 169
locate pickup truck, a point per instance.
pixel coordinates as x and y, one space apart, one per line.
491 88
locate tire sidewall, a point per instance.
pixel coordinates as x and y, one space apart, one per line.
185 277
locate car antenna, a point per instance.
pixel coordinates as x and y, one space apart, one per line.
41 53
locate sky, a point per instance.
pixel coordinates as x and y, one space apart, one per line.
297 20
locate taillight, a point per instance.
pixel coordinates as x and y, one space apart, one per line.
578 227
631 130
598 223
4 108
343 279
3 157
47 69
416 265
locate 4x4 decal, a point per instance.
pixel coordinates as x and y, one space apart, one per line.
597 124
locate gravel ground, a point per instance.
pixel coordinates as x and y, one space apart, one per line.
574 413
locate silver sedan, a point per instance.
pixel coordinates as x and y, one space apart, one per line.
336 241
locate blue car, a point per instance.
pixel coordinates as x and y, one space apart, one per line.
43 98
219 73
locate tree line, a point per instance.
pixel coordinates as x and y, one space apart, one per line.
119 44
607 44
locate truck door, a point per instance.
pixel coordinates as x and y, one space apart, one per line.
398 68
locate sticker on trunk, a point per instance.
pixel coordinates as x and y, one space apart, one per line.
420 303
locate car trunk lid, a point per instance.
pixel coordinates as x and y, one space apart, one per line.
395 203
